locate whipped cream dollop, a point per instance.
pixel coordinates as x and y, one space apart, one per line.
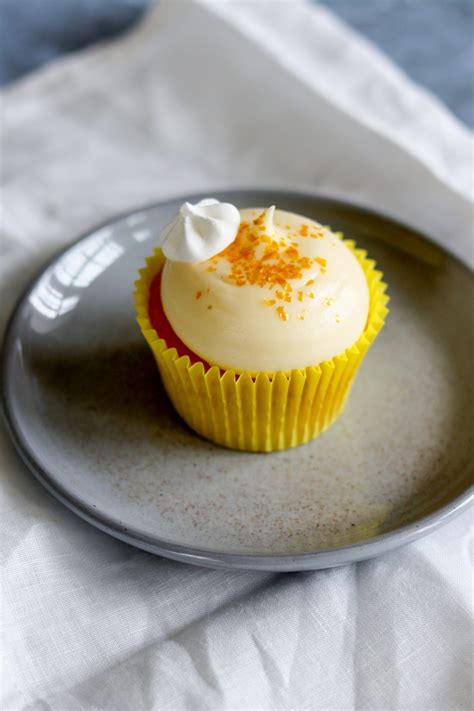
200 231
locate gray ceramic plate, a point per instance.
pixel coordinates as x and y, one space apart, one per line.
85 407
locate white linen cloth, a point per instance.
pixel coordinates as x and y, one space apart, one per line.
210 95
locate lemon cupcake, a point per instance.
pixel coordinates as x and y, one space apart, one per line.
258 320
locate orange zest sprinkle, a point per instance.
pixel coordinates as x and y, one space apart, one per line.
211 269
300 296
300 317
269 302
258 259
321 261
282 313
328 302
311 294
209 307
309 282
198 294
304 230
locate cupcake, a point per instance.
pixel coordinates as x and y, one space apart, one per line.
258 320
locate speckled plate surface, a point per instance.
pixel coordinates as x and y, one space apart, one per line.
84 404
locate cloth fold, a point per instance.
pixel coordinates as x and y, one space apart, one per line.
200 96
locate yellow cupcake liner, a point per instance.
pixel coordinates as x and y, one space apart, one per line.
263 412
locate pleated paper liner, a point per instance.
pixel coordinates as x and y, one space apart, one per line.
262 412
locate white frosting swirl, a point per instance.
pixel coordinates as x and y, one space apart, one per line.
226 316
200 231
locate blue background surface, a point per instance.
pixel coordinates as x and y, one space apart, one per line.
432 40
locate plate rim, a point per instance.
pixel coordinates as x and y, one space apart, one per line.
278 562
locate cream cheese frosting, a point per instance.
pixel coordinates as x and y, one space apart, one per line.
284 294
